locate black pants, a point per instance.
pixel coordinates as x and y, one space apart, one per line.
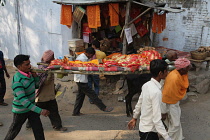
54 116
2 88
148 136
18 121
84 89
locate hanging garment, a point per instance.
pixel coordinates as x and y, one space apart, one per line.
93 14
141 29
66 15
114 14
158 23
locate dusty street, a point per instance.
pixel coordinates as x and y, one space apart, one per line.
97 125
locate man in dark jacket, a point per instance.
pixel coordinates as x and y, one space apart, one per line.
2 79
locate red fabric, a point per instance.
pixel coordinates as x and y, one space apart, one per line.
134 13
111 69
141 29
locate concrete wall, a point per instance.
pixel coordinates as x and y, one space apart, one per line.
31 27
187 30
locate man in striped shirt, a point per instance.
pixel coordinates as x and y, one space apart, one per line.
24 84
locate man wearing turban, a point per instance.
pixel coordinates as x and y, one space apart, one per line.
45 95
174 90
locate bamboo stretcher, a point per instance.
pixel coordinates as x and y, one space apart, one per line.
89 72
63 71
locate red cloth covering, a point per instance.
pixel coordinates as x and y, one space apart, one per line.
92 69
110 69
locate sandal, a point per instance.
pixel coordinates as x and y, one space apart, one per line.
4 104
61 129
80 114
108 109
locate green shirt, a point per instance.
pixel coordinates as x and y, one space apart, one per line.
24 93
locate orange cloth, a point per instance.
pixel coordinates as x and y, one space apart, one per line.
66 15
158 23
93 14
175 87
114 14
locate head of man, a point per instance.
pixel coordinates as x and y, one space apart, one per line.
23 63
171 55
47 56
90 52
96 44
158 69
182 65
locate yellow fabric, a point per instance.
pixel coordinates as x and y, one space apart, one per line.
175 87
66 15
114 14
100 55
93 14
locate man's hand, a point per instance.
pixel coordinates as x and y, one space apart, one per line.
164 116
132 124
34 74
45 112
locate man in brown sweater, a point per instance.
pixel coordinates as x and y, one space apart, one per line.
45 96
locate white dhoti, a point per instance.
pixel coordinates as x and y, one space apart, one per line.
173 120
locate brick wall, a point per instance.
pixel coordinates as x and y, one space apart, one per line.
187 30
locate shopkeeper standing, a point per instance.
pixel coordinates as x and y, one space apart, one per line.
94 79
83 88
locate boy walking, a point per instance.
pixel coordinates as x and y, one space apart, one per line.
23 86
149 103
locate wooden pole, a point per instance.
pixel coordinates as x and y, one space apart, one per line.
128 4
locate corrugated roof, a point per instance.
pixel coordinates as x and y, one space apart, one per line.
86 2
152 5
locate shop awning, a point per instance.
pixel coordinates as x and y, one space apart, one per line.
86 2
154 6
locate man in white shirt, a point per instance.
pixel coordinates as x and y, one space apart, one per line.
149 103
84 89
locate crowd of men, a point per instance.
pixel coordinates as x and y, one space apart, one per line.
158 103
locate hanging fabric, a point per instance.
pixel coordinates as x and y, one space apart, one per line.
158 23
141 29
114 14
93 14
66 15
78 14
135 11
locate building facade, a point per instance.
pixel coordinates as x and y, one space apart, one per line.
31 27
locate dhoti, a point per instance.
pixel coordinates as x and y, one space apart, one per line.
173 120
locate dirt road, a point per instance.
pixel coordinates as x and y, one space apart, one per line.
97 125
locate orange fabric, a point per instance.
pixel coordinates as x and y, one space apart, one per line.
175 87
114 14
93 14
158 23
154 23
66 15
